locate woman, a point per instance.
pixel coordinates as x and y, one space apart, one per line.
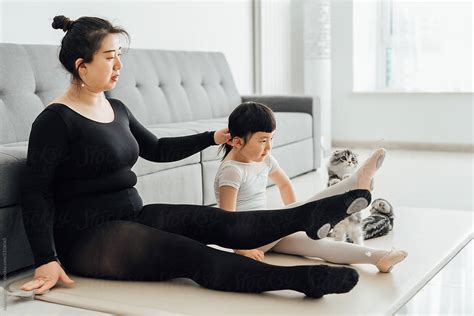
81 212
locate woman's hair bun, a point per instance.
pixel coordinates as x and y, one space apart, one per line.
62 22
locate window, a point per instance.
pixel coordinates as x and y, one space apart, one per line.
412 46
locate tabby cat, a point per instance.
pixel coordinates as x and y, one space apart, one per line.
342 164
380 221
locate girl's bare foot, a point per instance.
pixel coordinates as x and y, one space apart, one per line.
386 263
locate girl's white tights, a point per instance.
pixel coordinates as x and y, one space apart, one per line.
328 250
335 251
361 179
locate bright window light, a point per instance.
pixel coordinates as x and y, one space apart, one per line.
412 46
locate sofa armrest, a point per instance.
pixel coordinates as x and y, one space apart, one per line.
285 103
302 104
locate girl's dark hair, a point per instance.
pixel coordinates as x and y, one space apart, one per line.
249 118
82 40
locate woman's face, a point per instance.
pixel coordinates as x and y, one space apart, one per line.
103 72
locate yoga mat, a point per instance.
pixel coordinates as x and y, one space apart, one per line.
432 237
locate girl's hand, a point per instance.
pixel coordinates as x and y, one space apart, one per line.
46 276
252 254
221 136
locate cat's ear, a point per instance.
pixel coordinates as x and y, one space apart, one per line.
389 205
353 153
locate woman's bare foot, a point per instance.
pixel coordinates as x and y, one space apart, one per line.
367 170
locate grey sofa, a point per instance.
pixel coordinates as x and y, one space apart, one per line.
172 93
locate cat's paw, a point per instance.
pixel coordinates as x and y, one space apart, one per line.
333 182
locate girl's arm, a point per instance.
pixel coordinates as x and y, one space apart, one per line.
228 198
285 187
228 201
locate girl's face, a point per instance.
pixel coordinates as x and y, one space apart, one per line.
257 147
103 72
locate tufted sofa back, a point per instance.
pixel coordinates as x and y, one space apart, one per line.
39 78
173 86
158 86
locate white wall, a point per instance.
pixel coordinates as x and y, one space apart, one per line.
281 46
435 118
426 118
413 119
224 26
317 63
1 23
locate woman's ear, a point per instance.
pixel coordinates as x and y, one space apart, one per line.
81 67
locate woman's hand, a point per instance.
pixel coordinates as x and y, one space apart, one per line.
221 136
252 254
46 276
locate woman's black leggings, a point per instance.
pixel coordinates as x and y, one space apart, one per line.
164 241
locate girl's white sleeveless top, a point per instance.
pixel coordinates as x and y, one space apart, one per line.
250 179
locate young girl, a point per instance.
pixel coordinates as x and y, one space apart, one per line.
241 181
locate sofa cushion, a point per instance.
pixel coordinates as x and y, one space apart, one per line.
287 123
51 79
12 162
30 77
12 233
169 86
292 128
181 185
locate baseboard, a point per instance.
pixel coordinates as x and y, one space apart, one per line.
404 145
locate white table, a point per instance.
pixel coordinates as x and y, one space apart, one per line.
430 247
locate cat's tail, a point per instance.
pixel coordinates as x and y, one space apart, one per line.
375 226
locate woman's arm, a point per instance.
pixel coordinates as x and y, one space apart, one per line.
167 149
285 187
46 148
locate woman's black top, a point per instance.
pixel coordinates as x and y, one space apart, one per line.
79 171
